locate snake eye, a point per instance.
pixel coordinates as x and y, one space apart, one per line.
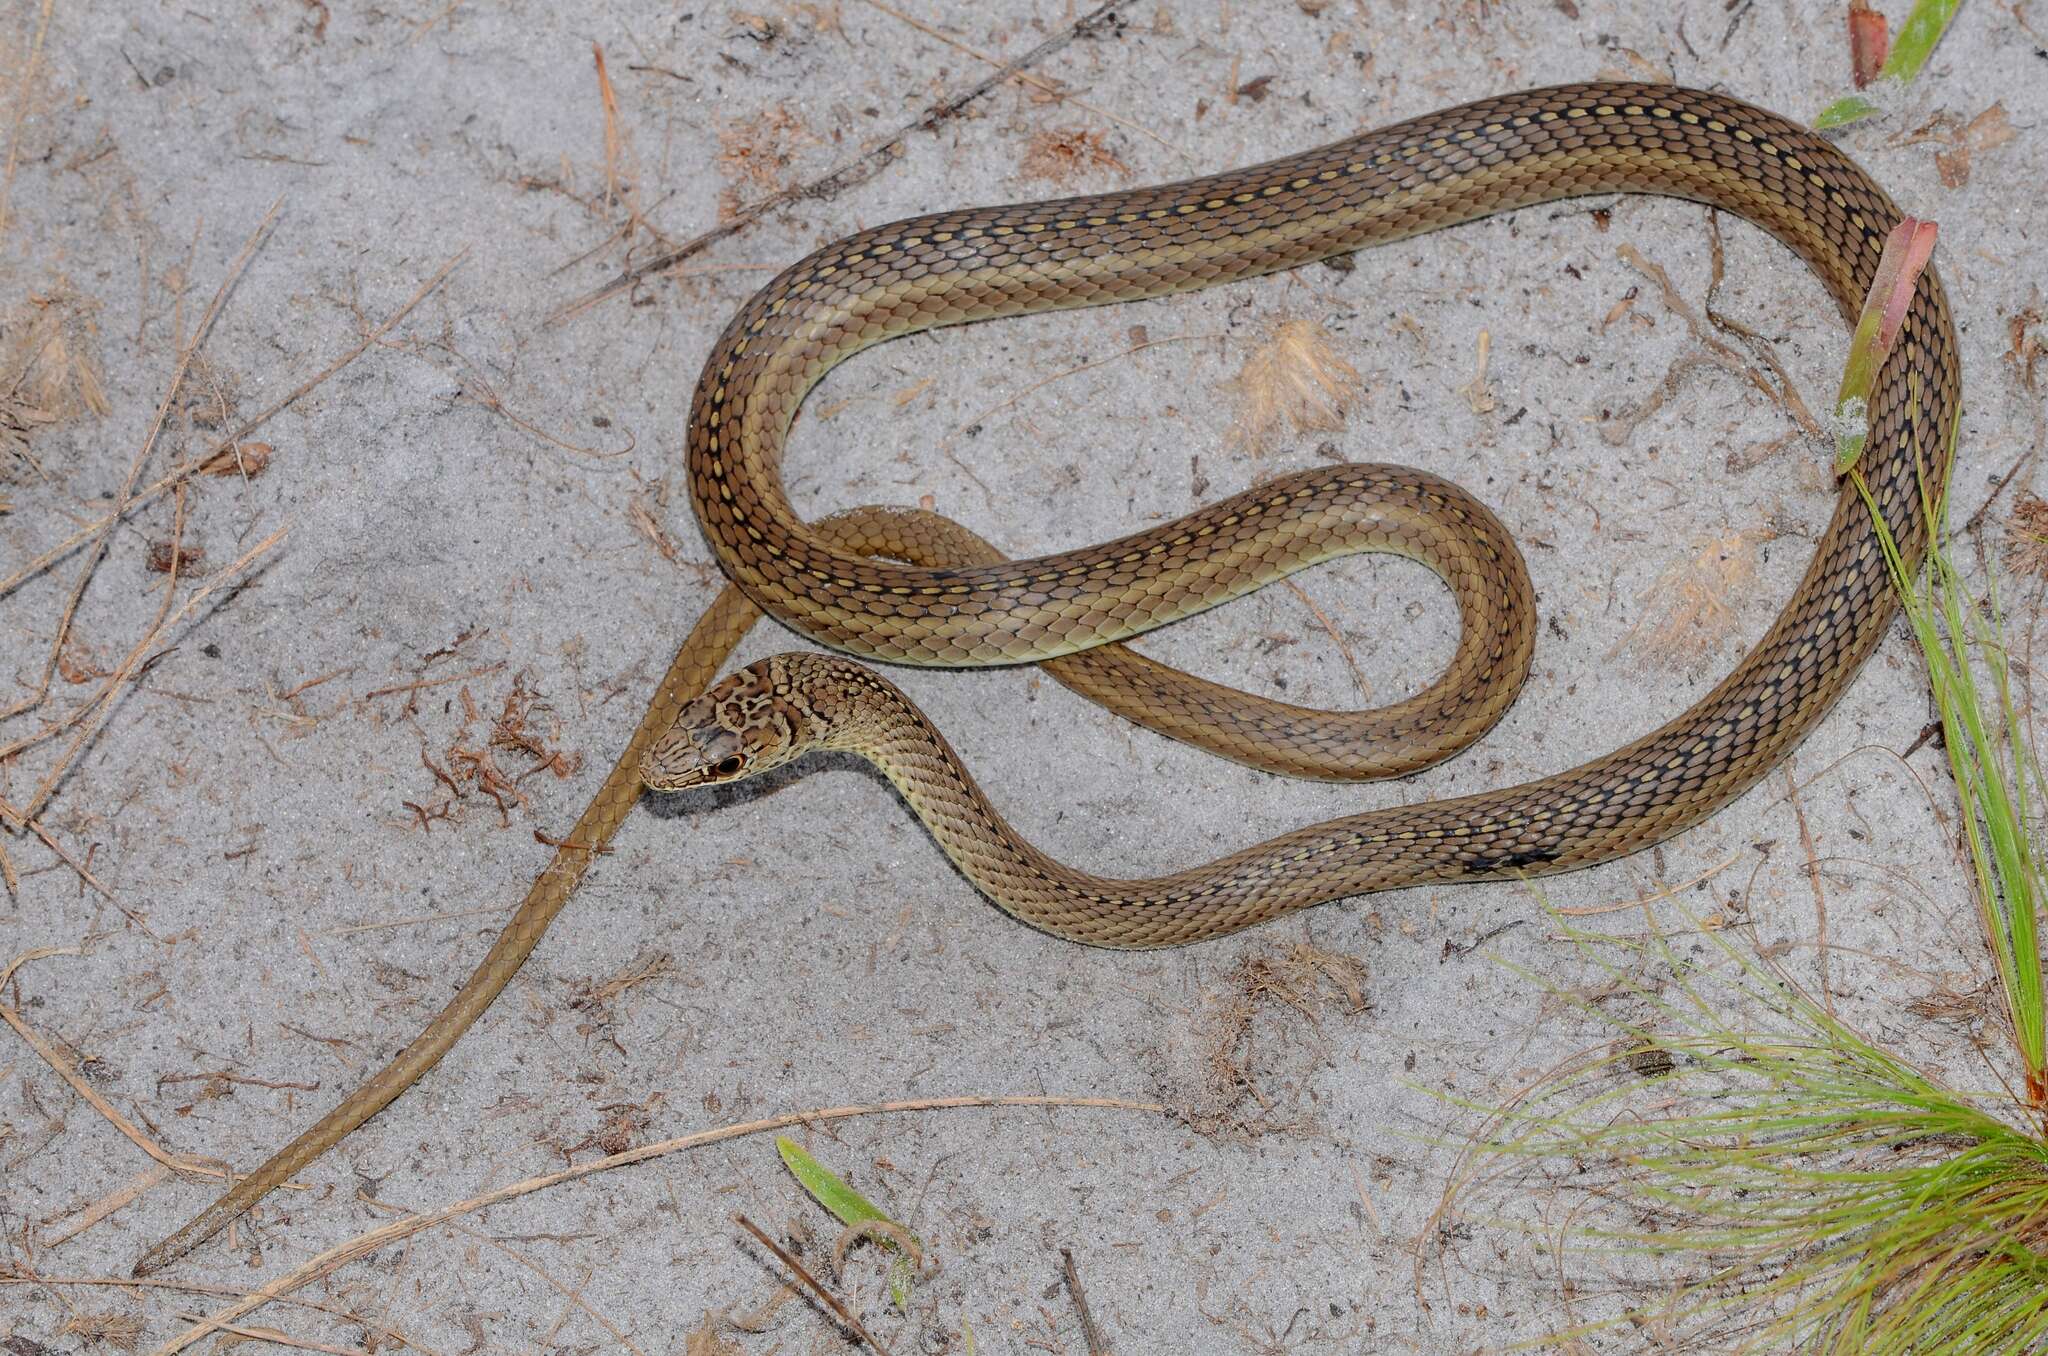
728 766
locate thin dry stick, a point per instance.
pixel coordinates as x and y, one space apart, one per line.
107 689
1357 675
55 1059
831 1301
364 1244
156 1174
1043 382
1662 892
564 1291
1089 1334
859 170
1035 81
177 477
1820 898
25 90
131 1283
121 674
283 1339
125 499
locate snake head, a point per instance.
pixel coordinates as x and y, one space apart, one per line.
746 724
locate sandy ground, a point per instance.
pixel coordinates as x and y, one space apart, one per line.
289 810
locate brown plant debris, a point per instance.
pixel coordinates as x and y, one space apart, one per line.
2026 536
242 459
118 1330
1689 615
2024 343
1986 132
1295 379
1240 1075
706 1340
165 556
1068 154
466 767
49 357
757 153
1711 351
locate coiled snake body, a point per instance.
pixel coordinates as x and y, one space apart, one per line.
952 605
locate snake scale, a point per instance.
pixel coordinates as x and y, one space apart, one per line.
941 602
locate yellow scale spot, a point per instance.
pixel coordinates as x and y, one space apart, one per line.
1742 134
725 371
1547 115
1127 217
1065 225
1034 228
1436 143
1816 181
1188 207
1793 162
1270 189
1358 167
1767 148
1000 230
1575 112
1156 213
1605 110
899 590
1298 184
1521 121
1242 197
1213 204
930 590
1634 110
759 321
1098 221
942 235
725 491
1716 125
1327 174
883 249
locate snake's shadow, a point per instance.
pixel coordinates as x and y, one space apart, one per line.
706 800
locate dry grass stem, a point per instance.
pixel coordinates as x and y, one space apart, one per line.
64 1070
1043 382
25 93
1037 82
877 156
1336 638
229 444
326 1263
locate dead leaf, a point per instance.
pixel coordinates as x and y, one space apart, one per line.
1986 132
